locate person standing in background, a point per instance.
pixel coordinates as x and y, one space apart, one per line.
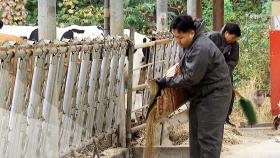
226 41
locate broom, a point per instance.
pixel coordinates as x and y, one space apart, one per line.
247 108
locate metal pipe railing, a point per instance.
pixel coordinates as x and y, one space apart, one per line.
56 90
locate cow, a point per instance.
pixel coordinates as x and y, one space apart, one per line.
66 35
140 56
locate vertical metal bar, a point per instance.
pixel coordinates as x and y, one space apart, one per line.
80 101
218 14
151 59
168 55
82 81
165 56
120 108
36 88
92 93
70 81
59 82
47 142
16 117
4 83
112 90
54 120
66 117
4 112
160 57
173 52
101 106
33 110
48 100
156 59
129 87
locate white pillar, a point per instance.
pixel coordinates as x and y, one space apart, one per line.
192 8
116 17
47 19
162 15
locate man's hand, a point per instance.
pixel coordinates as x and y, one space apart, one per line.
161 82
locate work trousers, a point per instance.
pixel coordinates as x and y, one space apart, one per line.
207 116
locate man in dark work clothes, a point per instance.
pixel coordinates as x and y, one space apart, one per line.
204 76
226 41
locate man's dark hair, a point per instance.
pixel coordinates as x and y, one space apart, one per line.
232 28
1 24
183 23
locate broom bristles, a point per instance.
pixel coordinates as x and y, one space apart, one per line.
248 110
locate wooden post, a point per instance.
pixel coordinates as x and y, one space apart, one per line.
116 17
162 15
129 87
218 14
199 9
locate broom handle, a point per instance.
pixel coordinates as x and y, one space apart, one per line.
237 93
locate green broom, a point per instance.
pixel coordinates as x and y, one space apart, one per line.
247 108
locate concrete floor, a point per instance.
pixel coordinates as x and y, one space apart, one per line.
256 143
263 149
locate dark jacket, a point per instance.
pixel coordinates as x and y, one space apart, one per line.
206 81
203 67
230 51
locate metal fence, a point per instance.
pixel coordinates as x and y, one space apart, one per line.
163 53
66 95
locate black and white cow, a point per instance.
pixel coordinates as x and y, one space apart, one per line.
66 35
